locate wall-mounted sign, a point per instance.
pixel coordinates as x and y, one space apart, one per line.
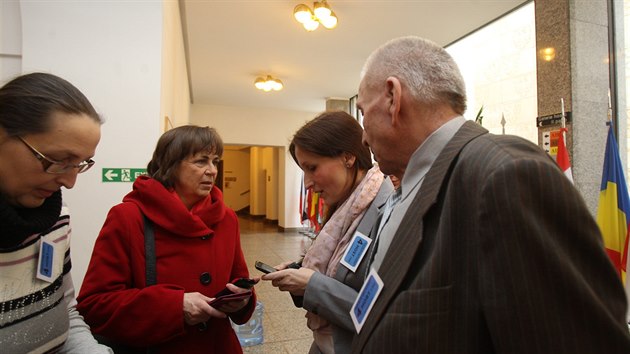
553 119
122 174
550 142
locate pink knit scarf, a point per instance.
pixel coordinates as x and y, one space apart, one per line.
328 248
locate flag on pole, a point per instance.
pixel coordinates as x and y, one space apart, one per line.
303 209
562 157
613 212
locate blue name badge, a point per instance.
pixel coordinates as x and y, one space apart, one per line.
356 251
46 260
362 306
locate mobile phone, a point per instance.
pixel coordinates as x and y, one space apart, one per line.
224 299
295 265
244 283
265 268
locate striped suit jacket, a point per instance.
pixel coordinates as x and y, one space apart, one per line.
496 254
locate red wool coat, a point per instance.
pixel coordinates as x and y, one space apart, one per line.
196 251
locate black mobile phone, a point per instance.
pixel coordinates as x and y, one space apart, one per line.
265 268
295 265
244 283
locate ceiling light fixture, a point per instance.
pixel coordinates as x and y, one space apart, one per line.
268 83
311 19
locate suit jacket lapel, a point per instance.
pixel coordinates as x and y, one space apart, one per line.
356 279
408 237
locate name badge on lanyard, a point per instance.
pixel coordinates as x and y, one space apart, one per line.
356 251
362 306
46 260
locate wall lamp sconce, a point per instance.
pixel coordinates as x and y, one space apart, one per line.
321 13
548 54
268 83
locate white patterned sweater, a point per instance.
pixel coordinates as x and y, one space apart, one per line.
38 316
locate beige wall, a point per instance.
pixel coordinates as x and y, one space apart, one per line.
117 64
257 199
236 166
175 95
262 127
10 40
270 162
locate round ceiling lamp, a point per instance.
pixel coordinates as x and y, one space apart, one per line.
311 19
268 83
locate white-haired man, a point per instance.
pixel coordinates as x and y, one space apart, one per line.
490 249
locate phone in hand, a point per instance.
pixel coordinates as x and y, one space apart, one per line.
226 299
244 283
265 268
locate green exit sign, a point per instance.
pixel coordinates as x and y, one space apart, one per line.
122 174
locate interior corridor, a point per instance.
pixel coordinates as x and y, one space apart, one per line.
284 325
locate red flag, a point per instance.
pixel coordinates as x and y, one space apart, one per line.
562 158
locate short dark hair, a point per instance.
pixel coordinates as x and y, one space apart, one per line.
28 102
176 145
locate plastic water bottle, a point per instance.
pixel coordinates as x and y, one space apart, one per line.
251 333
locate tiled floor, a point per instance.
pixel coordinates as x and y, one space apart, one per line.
284 325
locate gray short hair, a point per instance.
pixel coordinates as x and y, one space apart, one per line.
425 68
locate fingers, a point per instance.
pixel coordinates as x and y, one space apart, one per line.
276 275
235 289
292 280
196 309
234 306
283 265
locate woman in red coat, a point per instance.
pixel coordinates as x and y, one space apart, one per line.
197 248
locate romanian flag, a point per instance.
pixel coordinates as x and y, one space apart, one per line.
562 158
613 212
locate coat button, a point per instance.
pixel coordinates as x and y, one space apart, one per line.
205 278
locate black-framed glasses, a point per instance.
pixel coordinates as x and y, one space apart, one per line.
57 167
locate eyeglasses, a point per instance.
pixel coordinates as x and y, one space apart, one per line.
57 167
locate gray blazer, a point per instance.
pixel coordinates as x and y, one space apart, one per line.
497 253
332 298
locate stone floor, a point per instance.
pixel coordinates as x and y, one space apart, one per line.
284 325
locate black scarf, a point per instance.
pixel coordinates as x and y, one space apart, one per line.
16 224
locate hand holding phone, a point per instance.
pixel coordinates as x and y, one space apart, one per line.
245 283
265 268
222 300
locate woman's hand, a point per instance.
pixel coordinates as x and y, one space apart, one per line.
234 306
197 310
284 265
291 280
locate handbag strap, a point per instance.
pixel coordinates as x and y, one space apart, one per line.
151 279
149 252
149 256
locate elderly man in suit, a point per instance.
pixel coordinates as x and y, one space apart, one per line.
490 248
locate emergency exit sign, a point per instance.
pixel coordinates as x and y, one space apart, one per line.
122 174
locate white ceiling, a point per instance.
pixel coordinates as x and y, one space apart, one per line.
231 42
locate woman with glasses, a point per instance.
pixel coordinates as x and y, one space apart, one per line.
197 254
48 135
